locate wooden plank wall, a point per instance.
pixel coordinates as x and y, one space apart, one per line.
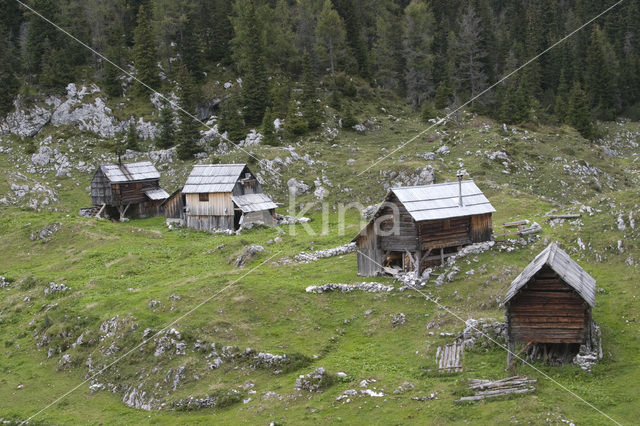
445 233
547 311
174 206
481 228
219 204
406 236
264 216
132 192
209 223
369 254
100 189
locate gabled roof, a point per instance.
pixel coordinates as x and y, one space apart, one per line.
208 178
441 201
130 172
253 202
560 262
156 194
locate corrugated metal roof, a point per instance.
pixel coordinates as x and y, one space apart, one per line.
441 201
570 272
130 172
156 194
253 202
207 178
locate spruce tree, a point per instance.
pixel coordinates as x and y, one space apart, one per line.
131 140
578 112
268 129
330 38
295 124
441 98
310 108
167 128
188 134
255 88
9 83
144 54
515 106
347 10
231 120
190 51
416 44
599 78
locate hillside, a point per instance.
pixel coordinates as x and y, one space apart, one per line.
125 281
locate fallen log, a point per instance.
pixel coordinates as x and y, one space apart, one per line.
564 216
496 393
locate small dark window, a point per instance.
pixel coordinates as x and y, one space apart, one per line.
203 197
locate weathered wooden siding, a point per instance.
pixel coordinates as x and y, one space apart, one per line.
405 237
247 186
435 234
209 223
264 216
174 206
369 253
219 204
481 228
132 192
547 311
100 189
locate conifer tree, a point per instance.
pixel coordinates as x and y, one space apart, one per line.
268 129
167 128
231 120
295 124
417 41
441 98
39 32
310 108
515 107
388 54
144 54
131 140
470 77
255 89
190 51
599 80
578 112
347 10
331 37
9 83
188 134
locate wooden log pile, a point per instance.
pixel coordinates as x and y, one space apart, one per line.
449 357
493 388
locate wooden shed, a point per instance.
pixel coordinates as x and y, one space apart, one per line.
418 226
131 189
224 196
549 304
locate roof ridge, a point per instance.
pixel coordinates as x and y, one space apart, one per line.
432 184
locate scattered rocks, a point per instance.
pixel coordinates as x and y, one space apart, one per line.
304 257
314 381
54 288
220 399
4 282
404 387
369 211
483 332
45 233
247 254
370 287
398 320
297 187
154 303
290 220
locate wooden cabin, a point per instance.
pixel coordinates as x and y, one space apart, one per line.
223 196
419 226
129 189
550 303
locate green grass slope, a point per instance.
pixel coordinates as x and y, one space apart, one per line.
52 343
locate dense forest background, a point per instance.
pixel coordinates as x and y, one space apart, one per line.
433 54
